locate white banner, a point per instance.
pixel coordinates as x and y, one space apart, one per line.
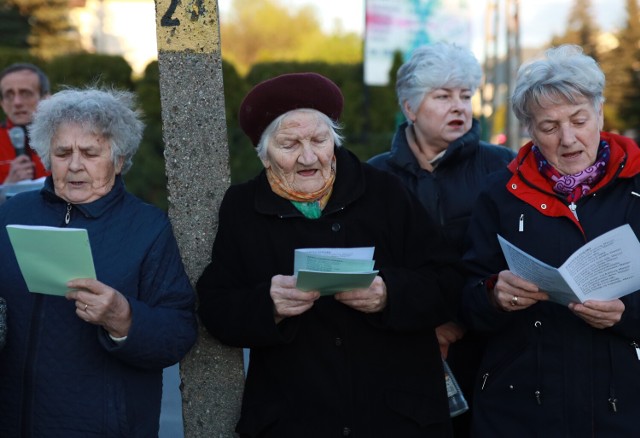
403 25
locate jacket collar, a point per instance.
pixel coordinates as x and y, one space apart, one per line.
348 186
529 185
92 209
401 155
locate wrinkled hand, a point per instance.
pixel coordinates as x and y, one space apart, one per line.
370 300
21 169
514 293
599 314
447 334
287 300
101 305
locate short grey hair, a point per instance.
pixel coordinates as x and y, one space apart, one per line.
564 74
261 148
433 66
108 113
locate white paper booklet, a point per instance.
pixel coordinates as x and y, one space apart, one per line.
606 268
332 270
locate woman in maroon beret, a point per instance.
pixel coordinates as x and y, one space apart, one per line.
361 362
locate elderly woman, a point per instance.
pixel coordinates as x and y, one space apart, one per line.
91 364
363 362
551 369
438 155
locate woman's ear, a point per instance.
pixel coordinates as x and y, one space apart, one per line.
265 161
119 165
408 112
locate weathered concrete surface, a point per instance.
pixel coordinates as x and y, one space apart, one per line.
197 166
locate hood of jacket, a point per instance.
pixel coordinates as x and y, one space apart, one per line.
529 185
402 156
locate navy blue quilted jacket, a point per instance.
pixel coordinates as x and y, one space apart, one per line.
63 377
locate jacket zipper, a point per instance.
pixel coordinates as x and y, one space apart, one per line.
67 216
573 207
634 344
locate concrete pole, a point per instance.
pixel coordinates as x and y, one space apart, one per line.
197 166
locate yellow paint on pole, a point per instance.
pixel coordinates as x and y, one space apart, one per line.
187 26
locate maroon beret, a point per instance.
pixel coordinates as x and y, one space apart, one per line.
275 96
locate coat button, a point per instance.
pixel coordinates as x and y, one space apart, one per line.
338 342
335 227
346 431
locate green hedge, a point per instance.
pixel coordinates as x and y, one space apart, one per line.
78 70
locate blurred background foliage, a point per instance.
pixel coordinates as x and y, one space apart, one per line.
261 39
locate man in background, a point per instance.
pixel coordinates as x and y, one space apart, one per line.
22 86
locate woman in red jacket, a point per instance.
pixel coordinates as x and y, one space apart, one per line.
556 370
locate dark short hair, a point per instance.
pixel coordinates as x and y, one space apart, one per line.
20 66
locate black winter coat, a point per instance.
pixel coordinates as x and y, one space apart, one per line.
546 372
449 192
333 371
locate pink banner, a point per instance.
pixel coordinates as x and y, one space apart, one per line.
403 25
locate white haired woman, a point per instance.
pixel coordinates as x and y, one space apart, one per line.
552 369
365 361
438 155
91 364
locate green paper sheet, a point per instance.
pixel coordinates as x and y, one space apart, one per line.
49 257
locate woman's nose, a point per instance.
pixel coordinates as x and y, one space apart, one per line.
567 135
75 162
457 104
307 156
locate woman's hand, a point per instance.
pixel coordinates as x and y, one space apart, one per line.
599 314
514 293
102 305
287 300
370 300
447 334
